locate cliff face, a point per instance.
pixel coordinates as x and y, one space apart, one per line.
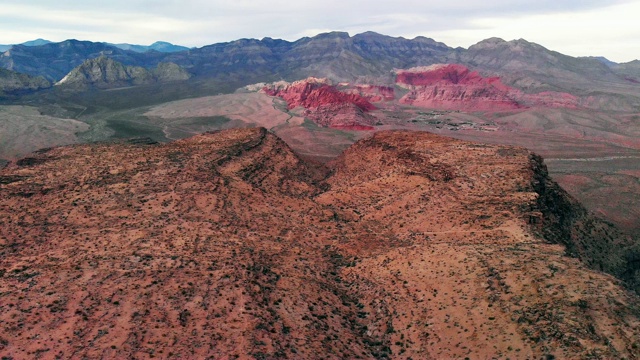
597 243
314 93
455 87
323 103
227 244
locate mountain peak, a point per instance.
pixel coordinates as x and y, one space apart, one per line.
370 34
105 72
36 42
333 34
491 42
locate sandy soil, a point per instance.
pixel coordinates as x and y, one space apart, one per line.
254 109
23 130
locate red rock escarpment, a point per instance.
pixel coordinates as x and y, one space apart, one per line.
313 93
323 103
455 87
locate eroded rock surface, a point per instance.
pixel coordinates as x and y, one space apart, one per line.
324 103
455 87
228 245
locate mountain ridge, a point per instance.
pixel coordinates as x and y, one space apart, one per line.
12 82
230 236
160 46
367 58
36 42
104 72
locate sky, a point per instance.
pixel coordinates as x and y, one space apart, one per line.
607 28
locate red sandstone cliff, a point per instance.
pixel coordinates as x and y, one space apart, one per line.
455 87
324 104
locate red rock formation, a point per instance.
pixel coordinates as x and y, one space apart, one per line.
324 104
313 93
455 87
340 115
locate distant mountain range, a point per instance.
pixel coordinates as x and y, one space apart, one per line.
338 56
160 46
36 42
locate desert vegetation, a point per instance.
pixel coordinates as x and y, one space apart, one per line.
409 245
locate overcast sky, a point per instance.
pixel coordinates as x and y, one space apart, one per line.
607 28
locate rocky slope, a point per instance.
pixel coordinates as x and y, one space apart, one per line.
104 72
630 71
455 87
13 82
532 66
55 60
324 103
227 244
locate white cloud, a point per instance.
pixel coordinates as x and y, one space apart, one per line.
612 31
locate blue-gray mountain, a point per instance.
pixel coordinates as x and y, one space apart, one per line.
340 57
160 46
36 42
104 72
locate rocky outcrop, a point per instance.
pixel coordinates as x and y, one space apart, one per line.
314 93
169 72
406 245
13 82
104 72
455 87
55 60
597 243
441 86
324 103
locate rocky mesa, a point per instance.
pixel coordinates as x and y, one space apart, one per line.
228 245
